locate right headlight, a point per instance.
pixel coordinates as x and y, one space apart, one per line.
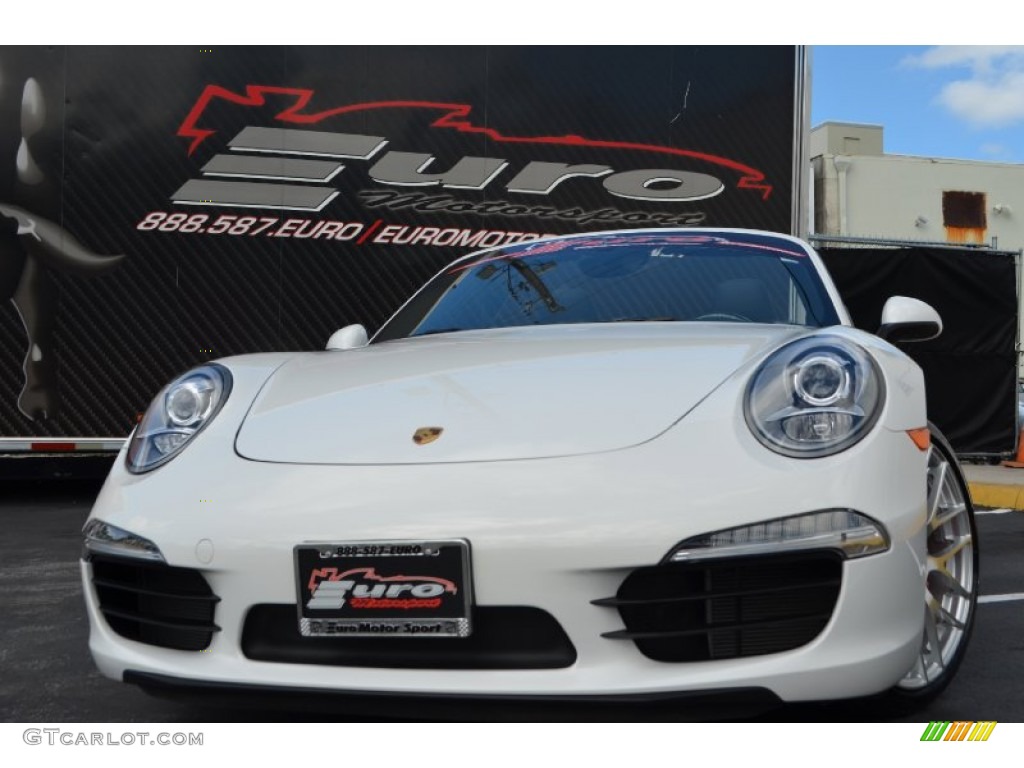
814 397
176 415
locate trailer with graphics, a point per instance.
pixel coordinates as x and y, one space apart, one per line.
160 207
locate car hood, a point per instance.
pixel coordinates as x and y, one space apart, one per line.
514 393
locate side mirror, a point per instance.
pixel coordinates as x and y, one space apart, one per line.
349 337
906 319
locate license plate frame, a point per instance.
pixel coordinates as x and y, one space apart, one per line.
384 588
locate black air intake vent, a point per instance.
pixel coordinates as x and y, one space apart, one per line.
155 603
726 609
504 637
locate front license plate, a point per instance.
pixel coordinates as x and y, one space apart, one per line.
384 588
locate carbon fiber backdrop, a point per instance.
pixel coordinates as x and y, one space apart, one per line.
102 141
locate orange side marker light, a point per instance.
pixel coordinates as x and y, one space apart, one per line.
922 437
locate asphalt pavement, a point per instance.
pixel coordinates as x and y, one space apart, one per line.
47 675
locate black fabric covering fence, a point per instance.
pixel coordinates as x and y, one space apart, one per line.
971 369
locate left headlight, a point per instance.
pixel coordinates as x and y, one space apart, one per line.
176 415
815 397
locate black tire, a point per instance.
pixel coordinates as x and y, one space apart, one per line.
951 589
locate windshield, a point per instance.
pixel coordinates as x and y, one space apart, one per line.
632 277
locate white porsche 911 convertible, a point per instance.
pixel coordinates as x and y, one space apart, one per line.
622 466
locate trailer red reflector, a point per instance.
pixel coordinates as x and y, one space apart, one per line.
53 446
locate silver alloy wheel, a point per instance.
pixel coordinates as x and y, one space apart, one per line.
951 580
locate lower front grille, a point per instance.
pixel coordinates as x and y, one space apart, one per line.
154 603
504 637
728 609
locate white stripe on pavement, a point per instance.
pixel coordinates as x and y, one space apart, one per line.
1001 598
1000 511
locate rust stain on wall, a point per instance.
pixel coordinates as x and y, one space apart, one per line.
964 217
966 235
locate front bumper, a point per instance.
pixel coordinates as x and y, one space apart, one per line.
554 534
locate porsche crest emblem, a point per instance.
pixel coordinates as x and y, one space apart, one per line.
425 435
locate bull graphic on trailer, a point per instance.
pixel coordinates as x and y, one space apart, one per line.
30 241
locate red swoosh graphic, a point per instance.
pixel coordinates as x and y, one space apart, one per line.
370 574
455 117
